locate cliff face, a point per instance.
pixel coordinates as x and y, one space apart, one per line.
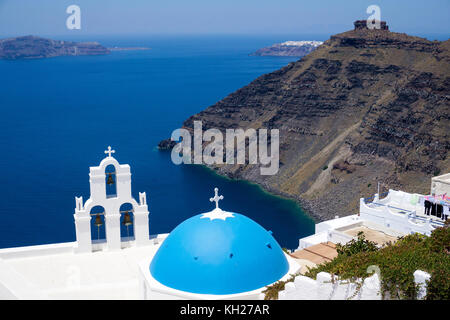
31 47
366 106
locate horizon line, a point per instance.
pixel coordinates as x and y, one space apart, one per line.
254 34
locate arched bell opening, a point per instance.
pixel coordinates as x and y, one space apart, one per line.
126 222
98 233
111 181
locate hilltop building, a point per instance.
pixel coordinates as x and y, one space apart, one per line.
362 25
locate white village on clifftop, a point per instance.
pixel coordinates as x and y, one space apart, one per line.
213 255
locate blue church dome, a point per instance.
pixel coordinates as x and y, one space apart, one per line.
219 252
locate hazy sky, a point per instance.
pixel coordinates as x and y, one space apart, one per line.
48 17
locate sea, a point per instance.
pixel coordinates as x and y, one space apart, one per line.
58 115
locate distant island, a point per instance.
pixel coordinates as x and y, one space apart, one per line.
289 49
33 47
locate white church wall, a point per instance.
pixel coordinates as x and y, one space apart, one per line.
327 288
312 240
141 221
51 272
337 223
160 238
337 236
112 205
83 231
14 286
37 251
112 228
324 231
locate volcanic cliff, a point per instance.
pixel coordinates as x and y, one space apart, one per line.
367 106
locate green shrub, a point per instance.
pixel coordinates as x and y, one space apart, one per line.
356 246
397 262
271 292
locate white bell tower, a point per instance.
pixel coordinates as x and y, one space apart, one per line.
111 204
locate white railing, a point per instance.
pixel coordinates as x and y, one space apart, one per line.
327 287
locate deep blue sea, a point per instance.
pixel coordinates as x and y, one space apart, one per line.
58 115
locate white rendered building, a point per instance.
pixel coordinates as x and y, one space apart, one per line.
440 185
397 214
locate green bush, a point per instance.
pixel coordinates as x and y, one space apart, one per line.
397 262
356 246
271 292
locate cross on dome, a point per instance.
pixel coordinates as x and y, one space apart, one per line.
109 151
217 213
216 198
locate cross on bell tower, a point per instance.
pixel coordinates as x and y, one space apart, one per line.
216 198
109 151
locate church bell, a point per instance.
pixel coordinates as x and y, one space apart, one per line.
110 179
127 219
98 221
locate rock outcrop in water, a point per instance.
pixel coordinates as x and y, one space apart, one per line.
32 47
166 144
366 106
